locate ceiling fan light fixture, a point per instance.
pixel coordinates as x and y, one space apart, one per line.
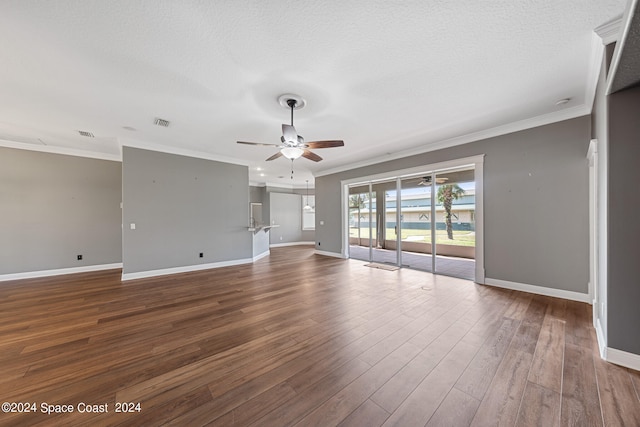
292 153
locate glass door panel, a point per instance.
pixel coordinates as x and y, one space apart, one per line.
384 251
455 223
359 241
415 222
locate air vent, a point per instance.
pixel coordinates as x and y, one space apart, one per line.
161 122
85 133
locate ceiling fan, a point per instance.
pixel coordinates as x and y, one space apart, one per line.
426 180
292 145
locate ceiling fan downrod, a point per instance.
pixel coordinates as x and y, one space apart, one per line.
291 103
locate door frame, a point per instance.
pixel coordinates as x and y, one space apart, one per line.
597 158
477 162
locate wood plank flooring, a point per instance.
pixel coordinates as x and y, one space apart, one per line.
302 339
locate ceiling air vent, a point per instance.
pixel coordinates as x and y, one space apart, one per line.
85 133
161 122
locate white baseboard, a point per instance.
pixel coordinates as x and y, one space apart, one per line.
184 269
262 255
58 271
540 290
331 254
602 343
280 245
623 358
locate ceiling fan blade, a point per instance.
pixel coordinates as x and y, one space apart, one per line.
275 156
311 156
289 134
258 143
325 144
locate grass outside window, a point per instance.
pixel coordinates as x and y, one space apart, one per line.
460 237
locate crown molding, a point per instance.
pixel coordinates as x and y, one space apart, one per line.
287 186
118 157
594 69
182 152
533 122
610 31
61 150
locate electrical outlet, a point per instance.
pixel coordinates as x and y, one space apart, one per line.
79 257
318 243
201 254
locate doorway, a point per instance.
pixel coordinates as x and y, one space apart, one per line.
426 220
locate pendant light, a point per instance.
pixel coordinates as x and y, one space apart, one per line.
306 205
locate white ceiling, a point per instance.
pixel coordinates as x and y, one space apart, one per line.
384 76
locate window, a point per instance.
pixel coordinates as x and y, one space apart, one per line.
308 214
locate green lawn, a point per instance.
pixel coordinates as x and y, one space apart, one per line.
460 237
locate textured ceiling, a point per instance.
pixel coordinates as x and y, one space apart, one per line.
384 76
625 71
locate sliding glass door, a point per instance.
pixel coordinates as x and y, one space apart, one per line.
423 221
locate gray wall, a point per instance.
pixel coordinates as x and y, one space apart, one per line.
623 222
257 194
286 211
535 196
55 207
182 206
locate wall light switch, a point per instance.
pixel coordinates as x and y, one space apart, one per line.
133 226
321 222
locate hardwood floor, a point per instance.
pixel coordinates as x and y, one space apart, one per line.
301 339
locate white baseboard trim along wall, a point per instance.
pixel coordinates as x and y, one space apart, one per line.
281 245
601 342
58 271
622 358
184 269
540 290
331 254
262 255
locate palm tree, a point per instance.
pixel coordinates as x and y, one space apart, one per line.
447 193
356 201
